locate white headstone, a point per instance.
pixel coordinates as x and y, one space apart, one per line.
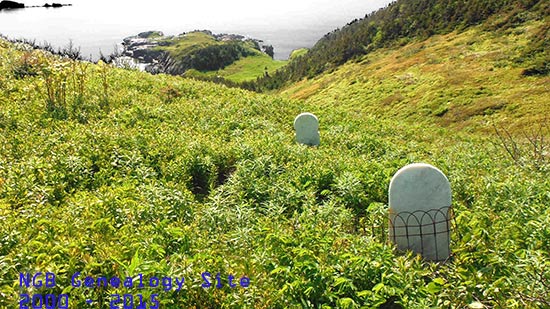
420 204
307 129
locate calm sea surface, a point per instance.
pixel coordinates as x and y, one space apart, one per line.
100 25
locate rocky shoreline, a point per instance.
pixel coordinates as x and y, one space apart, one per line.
144 48
141 47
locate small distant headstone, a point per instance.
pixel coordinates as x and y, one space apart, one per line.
420 208
307 129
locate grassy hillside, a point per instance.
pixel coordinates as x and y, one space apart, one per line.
403 21
110 172
464 80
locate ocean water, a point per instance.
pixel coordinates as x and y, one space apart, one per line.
100 25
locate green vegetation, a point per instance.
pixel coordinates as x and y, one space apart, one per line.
179 47
201 51
298 53
406 20
151 35
464 80
245 69
117 173
112 172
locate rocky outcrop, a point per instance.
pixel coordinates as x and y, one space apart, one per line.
11 5
164 64
142 47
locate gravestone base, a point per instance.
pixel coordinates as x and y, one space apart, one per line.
424 232
420 211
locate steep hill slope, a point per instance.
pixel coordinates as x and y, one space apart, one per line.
406 20
468 79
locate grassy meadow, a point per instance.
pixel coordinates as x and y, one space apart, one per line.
112 172
245 69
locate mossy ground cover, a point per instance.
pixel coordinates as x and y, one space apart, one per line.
110 172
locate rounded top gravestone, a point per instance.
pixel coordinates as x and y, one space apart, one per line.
419 186
420 209
307 129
